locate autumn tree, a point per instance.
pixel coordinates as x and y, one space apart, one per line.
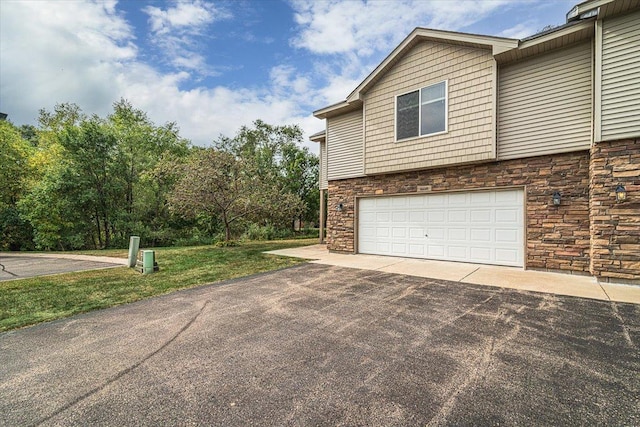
218 184
277 154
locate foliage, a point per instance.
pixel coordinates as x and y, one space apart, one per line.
277 155
78 181
219 185
28 301
15 171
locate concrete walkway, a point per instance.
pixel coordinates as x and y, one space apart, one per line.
490 275
20 265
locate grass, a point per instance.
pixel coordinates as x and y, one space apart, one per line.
40 299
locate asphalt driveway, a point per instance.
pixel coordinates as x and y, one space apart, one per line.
325 345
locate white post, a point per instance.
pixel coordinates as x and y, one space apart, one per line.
134 246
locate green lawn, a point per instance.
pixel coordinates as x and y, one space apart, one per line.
28 301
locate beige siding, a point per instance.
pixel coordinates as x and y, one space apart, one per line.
324 182
470 76
544 104
344 146
620 102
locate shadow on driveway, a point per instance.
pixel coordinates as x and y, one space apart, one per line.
324 345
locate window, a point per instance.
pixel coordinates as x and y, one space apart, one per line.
422 112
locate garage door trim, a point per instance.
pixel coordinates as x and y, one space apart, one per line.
356 225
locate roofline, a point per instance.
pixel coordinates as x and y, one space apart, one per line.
497 44
584 7
556 32
318 136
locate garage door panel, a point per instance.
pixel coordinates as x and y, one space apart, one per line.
485 198
507 235
457 216
510 197
435 250
417 216
480 235
506 255
416 233
399 248
507 215
483 227
480 215
398 232
479 254
457 234
458 252
416 250
457 199
382 232
435 234
398 202
436 216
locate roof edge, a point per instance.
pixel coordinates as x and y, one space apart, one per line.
497 44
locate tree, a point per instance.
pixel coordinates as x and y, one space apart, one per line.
219 185
15 170
276 154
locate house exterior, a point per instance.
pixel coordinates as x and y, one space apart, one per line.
490 150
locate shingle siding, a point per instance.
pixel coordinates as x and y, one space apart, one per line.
469 72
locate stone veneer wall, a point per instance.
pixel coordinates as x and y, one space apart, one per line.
615 227
557 237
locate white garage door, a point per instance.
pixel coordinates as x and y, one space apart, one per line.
481 226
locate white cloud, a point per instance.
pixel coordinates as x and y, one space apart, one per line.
175 31
186 16
519 31
367 27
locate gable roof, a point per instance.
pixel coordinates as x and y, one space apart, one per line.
496 44
579 27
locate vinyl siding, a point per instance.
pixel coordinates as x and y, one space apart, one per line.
620 86
544 104
469 137
344 146
324 182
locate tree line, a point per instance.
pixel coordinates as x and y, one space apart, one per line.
78 181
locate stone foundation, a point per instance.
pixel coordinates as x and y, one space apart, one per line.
615 226
557 237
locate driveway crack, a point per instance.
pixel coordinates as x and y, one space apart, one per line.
123 372
468 274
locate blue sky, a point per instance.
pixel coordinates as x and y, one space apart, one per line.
213 66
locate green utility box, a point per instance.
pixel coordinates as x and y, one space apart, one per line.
146 263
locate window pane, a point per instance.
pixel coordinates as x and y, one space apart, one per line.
408 118
433 115
433 92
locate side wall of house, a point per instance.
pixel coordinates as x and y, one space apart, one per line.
470 76
615 226
544 103
345 146
324 181
620 87
557 236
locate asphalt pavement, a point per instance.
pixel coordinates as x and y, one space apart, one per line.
326 345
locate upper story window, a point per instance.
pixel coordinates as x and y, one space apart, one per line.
422 112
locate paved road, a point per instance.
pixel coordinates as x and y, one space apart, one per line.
17 266
323 345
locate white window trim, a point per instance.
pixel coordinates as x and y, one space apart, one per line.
419 90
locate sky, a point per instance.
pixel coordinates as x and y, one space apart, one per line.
214 66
